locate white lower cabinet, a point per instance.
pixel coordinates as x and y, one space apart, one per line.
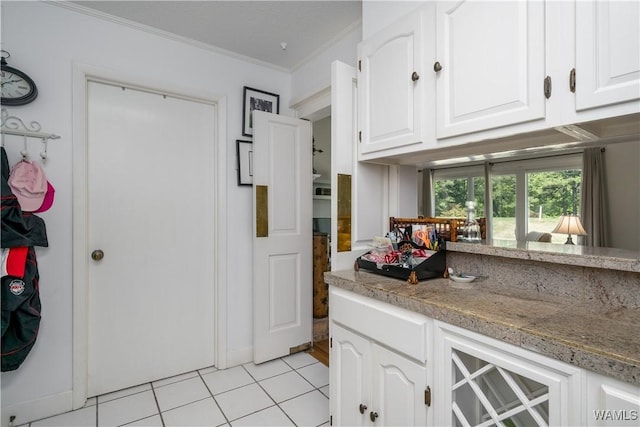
482 381
372 385
373 382
393 367
611 402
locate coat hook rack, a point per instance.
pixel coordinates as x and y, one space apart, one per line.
13 125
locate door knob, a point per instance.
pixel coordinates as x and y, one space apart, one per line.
363 408
373 416
437 67
97 255
415 77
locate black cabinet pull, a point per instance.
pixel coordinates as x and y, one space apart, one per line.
547 87
437 67
572 80
415 77
373 416
363 408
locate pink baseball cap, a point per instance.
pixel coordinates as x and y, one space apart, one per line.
48 199
29 184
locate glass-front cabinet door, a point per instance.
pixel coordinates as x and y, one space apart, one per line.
485 382
485 393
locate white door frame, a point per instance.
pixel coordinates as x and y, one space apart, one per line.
82 73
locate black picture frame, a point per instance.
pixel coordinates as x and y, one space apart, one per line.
244 152
255 99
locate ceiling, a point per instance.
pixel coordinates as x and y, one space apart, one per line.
253 29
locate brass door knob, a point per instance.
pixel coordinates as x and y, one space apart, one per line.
97 255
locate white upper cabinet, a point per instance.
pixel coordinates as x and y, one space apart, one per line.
490 65
607 52
393 85
488 70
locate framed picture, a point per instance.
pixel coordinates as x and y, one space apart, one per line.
245 162
255 99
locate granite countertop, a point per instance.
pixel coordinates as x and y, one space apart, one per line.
584 256
605 341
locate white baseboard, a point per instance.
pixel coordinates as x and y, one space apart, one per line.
239 357
37 409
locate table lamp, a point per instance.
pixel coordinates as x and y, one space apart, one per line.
570 224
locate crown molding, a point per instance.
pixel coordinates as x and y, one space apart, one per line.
168 35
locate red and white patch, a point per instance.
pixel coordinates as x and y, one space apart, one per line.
16 287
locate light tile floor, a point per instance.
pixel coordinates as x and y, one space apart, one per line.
291 391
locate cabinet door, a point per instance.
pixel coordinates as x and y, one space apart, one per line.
607 52
612 402
398 390
389 99
350 385
492 59
488 382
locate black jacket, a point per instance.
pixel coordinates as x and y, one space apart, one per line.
20 295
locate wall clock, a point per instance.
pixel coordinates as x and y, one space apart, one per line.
17 87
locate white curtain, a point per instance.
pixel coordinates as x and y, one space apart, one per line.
593 198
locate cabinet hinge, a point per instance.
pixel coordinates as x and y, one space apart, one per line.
427 396
360 136
360 65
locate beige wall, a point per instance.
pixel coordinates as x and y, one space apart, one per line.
622 167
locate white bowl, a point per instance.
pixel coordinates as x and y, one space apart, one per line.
462 279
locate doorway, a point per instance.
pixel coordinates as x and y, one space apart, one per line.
322 239
147 195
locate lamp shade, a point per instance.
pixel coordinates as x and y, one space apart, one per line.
570 224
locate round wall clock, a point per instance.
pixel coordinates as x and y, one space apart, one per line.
17 87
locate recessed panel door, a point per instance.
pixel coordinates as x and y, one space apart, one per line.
283 235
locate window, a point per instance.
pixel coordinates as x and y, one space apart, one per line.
551 194
526 195
453 187
504 207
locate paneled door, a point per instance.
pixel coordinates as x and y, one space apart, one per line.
283 233
151 164
490 64
369 210
607 52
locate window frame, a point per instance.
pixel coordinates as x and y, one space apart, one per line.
518 167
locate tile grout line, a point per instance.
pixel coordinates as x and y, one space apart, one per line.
153 390
214 398
267 393
198 374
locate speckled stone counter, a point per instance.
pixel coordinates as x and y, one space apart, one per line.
583 256
598 337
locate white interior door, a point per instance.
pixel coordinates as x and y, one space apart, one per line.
283 232
369 210
151 213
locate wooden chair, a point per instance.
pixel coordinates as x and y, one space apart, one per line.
448 228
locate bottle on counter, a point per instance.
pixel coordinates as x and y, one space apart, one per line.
471 228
